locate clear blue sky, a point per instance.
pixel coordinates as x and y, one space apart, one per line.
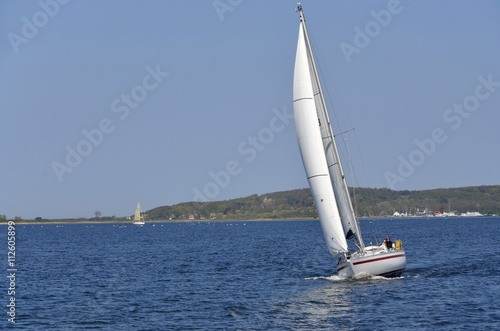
107 103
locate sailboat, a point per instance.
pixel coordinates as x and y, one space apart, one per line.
326 178
138 218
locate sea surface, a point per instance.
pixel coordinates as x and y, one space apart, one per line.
246 275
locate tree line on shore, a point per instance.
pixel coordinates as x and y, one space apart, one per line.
369 202
299 204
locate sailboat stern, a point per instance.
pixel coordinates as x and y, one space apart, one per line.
374 261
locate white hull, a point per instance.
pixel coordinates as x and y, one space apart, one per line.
375 261
138 223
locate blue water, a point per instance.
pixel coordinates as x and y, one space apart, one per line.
250 276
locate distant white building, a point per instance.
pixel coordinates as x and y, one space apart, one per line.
471 214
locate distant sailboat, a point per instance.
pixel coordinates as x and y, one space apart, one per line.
326 176
138 218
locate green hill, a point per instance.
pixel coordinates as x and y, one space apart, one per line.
368 202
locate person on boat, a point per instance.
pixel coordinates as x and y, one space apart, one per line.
388 242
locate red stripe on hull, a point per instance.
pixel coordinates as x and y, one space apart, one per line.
379 259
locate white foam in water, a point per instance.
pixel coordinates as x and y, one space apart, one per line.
333 278
337 278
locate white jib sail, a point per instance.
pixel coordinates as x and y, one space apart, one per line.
311 149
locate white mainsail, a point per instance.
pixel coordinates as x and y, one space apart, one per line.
337 176
311 149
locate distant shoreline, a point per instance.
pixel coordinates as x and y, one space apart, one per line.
69 221
299 204
64 221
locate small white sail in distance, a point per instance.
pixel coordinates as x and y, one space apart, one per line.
138 219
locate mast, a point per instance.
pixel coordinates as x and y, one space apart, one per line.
344 203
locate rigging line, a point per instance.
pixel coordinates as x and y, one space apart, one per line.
326 91
318 64
342 104
353 176
341 133
377 236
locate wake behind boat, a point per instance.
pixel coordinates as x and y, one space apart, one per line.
326 176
